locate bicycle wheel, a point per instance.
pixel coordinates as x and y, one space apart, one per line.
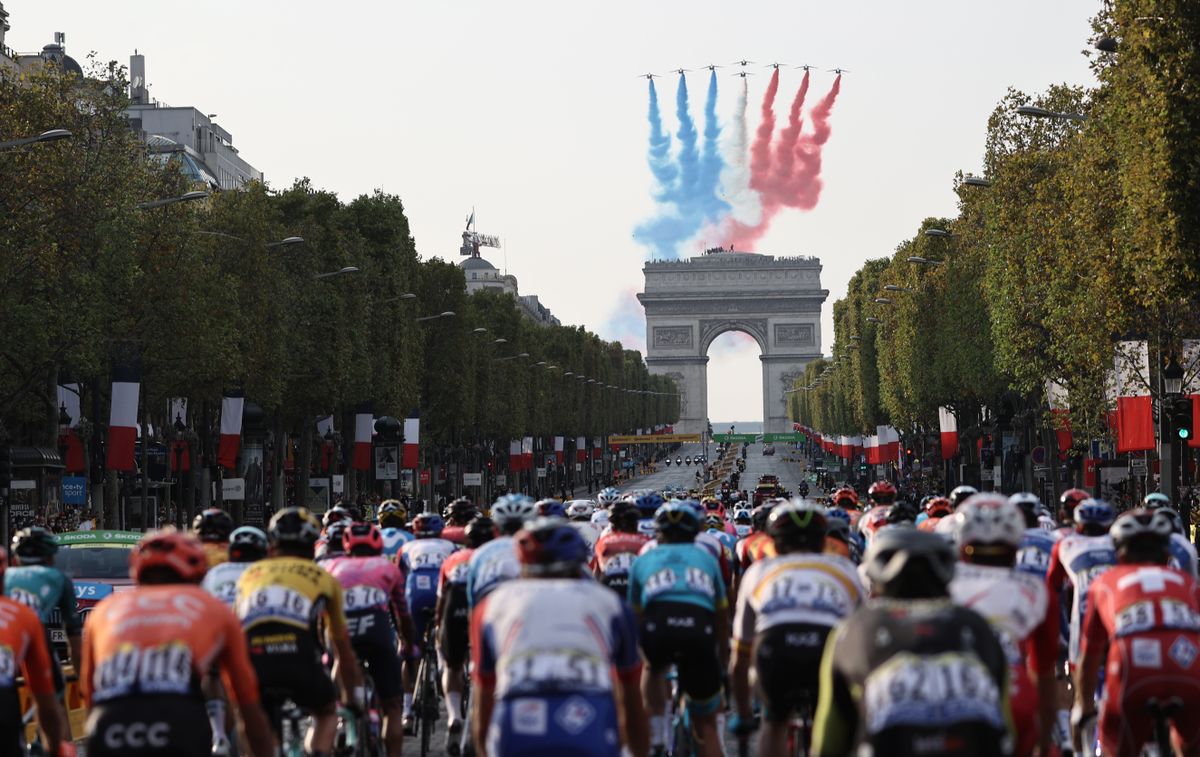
429 701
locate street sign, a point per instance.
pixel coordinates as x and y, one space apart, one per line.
1137 466
985 474
424 477
233 488
501 479
339 484
387 463
578 467
472 479
74 490
1039 455
541 472
654 439
792 436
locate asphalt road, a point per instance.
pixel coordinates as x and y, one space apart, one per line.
757 465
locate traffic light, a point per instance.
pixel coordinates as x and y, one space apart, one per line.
1181 419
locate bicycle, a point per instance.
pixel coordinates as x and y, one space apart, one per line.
360 734
682 740
425 693
800 729
287 721
1163 713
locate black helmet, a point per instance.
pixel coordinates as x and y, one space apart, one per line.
479 531
960 494
1142 530
906 563
213 524
335 539
34 545
676 521
624 517
797 526
336 514
901 512
461 511
294 525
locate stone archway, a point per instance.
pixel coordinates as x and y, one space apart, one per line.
689 303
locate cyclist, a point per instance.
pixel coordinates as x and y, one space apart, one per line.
786 608
600 521
838 538
555 662
333 517
1076 560
580 512
1018 607
1147 615
393 517
23 647
550 508
453 618
608 497
281 601
680 597
714 525
912 673
846 499
145 651
615 551
212 527
647 504
935 509
757 544
330 544
743 523
1183 552
458 514
1068 501
1037 544
43 588
373 589
420 561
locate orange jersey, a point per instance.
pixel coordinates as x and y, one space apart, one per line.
23 645
217 552
160 640
757 546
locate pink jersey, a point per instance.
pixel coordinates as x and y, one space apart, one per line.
371 583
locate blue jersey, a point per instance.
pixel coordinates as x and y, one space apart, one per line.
1033 555
677 573
491 565
1183 554
44 589
394 539
421 562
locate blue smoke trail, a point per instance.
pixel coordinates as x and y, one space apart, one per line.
664 171
689 193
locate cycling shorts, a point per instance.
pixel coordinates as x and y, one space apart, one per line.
456 625
164 726
574 724
1153 665
787 659
421 605
12 735
618 583
378 653
287 661
684 635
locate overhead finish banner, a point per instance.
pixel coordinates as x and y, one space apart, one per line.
654 439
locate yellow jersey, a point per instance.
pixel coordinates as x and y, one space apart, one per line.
291 591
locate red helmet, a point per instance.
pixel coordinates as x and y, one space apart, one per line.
168 548
882 493
364 535
1071 498
938 507
845 496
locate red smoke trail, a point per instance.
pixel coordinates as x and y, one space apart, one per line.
793 180
760 152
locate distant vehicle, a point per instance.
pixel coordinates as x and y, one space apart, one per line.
768 450
806 67
838 71
679 461
667 462
768 478
648 76
742 63
744 74
712 66
774 65
97 562
682 71
687 460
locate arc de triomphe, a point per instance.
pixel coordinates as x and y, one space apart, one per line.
689 303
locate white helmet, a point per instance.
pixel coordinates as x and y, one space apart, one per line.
608 496
580 509
989 518
600 519
513 508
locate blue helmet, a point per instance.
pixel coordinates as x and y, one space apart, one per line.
837 513
677 519
428 524
550 545
1094 515
648 503
551 508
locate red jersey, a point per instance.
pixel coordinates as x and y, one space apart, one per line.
755 547
455 569
161 640
1129 601
456 534
611 545
23 645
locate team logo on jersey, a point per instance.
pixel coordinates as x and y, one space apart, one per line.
529 717
574 715
1183 652
1146 653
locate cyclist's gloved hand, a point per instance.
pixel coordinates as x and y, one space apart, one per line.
739 726
66 749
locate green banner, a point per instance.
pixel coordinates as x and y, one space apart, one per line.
792 436
738 438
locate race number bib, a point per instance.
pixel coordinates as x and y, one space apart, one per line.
1180 615
1033 560
805 592
275 603
619 564
363 597
937 690
163 669
1135 618
566 669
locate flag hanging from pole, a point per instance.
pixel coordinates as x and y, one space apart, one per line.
559 455
581 449
122 416
412 441
364 431
1135 406
325 429
948 423
68 401
231 428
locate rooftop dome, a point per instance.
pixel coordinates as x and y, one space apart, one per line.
477 264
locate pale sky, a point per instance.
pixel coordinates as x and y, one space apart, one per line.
531 113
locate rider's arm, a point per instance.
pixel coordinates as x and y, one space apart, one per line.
347 662
483 679
240 680
743 644
72 623
836 720
35 666
1094 640
400 613
1041 656
627 664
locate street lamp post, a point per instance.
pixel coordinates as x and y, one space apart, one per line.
52 135
185 197
1172 391
1033 111
345 271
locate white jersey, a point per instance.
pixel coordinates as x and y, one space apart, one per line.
1078 559
1014 603
221 580
811 588
589 531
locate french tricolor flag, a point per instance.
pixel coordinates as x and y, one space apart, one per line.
559 444
364 430
1060 411
1191 378
412 442
527 453
231 428
122 414
68 399
581 449
514 455
948 423
1135 407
